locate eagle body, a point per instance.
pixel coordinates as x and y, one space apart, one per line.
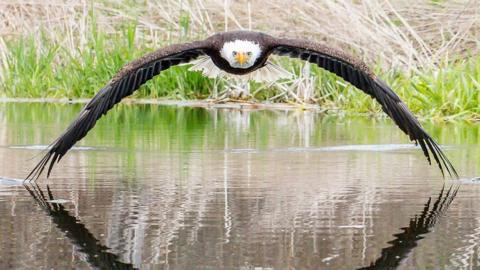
219 40
245 54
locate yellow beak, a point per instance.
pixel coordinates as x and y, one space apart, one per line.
241 58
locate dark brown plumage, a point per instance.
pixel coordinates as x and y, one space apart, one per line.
407 239
136 73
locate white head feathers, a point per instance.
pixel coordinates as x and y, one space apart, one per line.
240 53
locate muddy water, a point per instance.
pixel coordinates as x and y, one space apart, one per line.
157 187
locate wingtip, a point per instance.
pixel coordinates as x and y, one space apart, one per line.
441 159
37 171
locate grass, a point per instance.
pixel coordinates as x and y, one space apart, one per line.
428 55
52 71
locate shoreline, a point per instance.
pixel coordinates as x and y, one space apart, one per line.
180 103
237 105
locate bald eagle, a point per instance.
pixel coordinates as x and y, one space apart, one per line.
240 53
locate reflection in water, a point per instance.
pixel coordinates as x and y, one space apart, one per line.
97 255
185 188
419 225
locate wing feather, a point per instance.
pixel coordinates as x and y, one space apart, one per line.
123 84
358 74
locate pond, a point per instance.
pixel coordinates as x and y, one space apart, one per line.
160 187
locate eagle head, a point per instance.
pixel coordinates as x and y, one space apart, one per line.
240 53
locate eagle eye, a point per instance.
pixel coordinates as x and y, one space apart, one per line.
249 53
234 53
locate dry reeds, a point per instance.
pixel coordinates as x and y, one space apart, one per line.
404 34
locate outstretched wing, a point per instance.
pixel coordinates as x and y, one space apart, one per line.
358 74
123 84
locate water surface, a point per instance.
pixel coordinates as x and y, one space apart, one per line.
158 187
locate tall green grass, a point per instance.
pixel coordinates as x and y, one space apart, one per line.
448 92
33 71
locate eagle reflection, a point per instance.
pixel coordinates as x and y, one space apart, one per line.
420 225
97 255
